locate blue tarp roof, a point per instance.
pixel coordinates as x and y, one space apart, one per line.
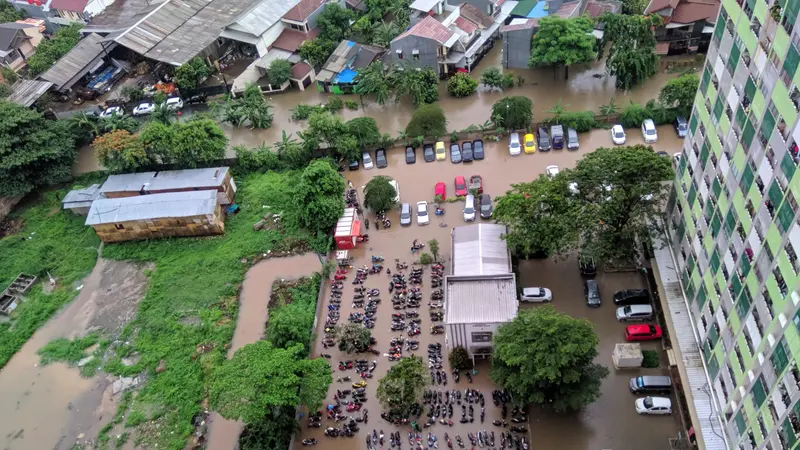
345 76
538 11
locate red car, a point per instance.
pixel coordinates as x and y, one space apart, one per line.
440 190
642 332
461 186
476 183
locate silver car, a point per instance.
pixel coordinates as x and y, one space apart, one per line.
405 214
366 159
513 144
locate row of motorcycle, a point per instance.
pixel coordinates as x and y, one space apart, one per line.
437 301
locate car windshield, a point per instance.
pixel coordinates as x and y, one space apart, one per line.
528 141
469 210
515 145
682 126
486 207
422 210
626 309
648 402
618 133
650 131
367 158
460 186
405 214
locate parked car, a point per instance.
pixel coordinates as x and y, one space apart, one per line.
681 126
572 139
676 158
466 151
513 144
143 109
196 99
393 183
587 266
650 384
455 153
461 186
642 332
354 164
557 133
112 111
477 149
662 153
592 292
428 154
440 190
441 153
486 206
551 171
405 214
174 103
380 158
422 213
618 134
649 131
633 313
653 405
632 297
469 208
366 160
529 145
411 155
544 140
536 295
476 184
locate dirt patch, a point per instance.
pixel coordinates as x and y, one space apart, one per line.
281 294
10 226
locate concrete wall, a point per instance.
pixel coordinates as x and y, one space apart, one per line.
461 335
428 48
517 48
266 40
161 228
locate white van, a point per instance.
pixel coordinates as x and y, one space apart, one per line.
469 208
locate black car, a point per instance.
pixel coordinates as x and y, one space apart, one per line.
587 266
544 140
196 99
477 149
485 205
632 297
427 153
354 164
466 151
592 293
380 158
411 155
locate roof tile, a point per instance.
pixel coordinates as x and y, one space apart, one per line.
303 10
69 5
689 12
290 39
429 28
466 25
476 16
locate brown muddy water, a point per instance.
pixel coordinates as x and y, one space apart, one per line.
252 317
611 422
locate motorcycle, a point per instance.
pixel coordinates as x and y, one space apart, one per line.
377 259
359 384
311 441
518 429
339 277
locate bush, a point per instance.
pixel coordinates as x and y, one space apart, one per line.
459 359
279 71
351 105
427 120
461 85
633 115
303 112
426 258
132 93
581 121
650 359
9 75
335 104
260 159
5 90
508 81
190 74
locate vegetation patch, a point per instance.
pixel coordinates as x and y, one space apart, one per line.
650 359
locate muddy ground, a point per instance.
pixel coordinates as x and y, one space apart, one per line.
53 407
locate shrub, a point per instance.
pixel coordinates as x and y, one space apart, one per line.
581 121
260 159
492 77
426 258
303 112
454 136
5 90
650 359
279 71
191 73
427 120
459 359
461 85
132 93
335 104
508 81
9 75
351 105
633 115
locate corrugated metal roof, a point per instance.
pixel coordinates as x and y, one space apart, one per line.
480 299
148 207
26 92
349 55
165 180
272 55
81 197
710 428
263 15
75 61
479 250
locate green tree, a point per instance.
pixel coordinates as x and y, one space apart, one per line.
291 152
373 80
385 33
334 23
631 58
272 431
8 13
365 130
461 85
433 247
609 109
290 325
279 71
563 42
156 137
191 73
459 358
428 121
250 108
260 377
33 151
422 86
120 151
403 385
163 114
633 115
513 113
332 132
557 112
320 194
679 93
352 337
198 142
317 51
51 50
492 77
379 194
633 7
546 358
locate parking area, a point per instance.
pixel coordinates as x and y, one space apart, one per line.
610 423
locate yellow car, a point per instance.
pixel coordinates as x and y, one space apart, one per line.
530 144
441 154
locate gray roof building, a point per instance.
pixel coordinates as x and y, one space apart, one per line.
77 199
11 35
26 92
149 207
348 57
77 62
168 180
480 299
480 250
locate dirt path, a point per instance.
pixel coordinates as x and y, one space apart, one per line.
52 407
252 317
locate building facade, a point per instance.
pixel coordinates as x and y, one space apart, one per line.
733 223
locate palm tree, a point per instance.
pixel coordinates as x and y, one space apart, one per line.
609 109
286 143
163 114
407 83
557 111
86 123
373 80
384 33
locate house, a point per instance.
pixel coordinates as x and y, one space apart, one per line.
173 214
491 8
421 9
260 25
596 8
18 41
688 25
517 37
217 179
79 201
481 293
62 12
88 58
340 69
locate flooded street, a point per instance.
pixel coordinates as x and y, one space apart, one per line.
250 322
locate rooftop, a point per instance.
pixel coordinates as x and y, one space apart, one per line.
300 70
77 198
475 16
10 35
76 61
424 5
149 207
263 15
479 250
429 28
348 57
166 180
26 92
658 5
69 5
569 10
303 10
596 8
520 24
290 39
480 299
693 11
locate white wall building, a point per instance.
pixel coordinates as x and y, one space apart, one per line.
481 293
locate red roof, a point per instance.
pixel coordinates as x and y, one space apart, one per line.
69 5
466 25
658 5
596 9
300 70
429 28
693 11
303 10
290 40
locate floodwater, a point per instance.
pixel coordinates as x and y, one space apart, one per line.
250 321
592 429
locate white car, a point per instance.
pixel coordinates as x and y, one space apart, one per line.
366 160
618 134
112 111
653 405
649 131
513 144
422 213
396 198
536 295
144 108
469 208
551 171
174 103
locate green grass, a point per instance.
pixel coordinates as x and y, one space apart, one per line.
68 351
197 279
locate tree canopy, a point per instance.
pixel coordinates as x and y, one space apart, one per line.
374 79
428 121
190 74
331 131
632 57
379 194
316 51
51 50
33 151
120 151
334 23
680 92
546 358
249 108
513 113
279 71
422 86
197 142
563 42
461 85
492 77
8 13
260 377
352 337
320 194
403 385
365 130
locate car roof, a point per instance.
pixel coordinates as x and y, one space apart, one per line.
661 402
528 135
422 203
639 308
616 127
638 328
459 177
681 119
591 283
531 290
